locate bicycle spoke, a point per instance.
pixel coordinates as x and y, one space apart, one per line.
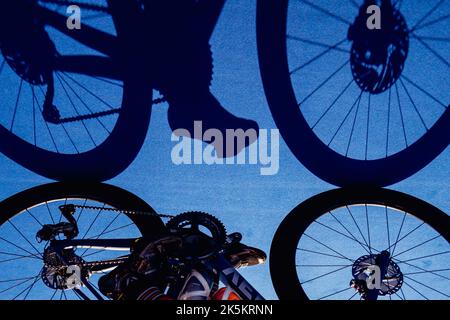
81 211
406 235
431 38
357 101
434 52
75 109
368 228
403 294
84 104
64 129
118 228
388 127
317 43
332 229
88 91
92 223
18 247
313 59
367 132
401 114
351 234
387 227
437 20
427 286
404 282
326 12
324 82
49 212
419 245
353 295
35 219
324 275
423 91
24 237
18 279
109 82
426 15
45 122
16 105
353 124
15 254
18 258
328 247
34 116
426 271
414 104
332 104
321 253
16 285
357 226
29 288
103 231
334 293
420 268
427 256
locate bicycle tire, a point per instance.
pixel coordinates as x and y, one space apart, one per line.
112 195
284 244
109 158
308 148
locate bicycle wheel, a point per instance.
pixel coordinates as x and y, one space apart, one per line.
69 98
23 274
367 107
323 241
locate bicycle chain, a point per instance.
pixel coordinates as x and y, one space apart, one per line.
84 5
102 262
129 212
99 114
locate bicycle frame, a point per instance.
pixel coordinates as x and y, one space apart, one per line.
228 275
107 44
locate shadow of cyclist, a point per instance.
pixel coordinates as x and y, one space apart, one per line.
182 67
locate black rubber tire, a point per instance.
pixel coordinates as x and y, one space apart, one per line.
108 194
314 154
114 154
284 245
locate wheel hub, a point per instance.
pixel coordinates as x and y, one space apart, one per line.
363 273
378 56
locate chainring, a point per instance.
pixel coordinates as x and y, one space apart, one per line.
190 223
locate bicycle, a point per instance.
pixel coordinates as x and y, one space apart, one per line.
385 115
49 231
89 94
120 61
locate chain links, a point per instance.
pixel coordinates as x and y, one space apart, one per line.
99 114
128 212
